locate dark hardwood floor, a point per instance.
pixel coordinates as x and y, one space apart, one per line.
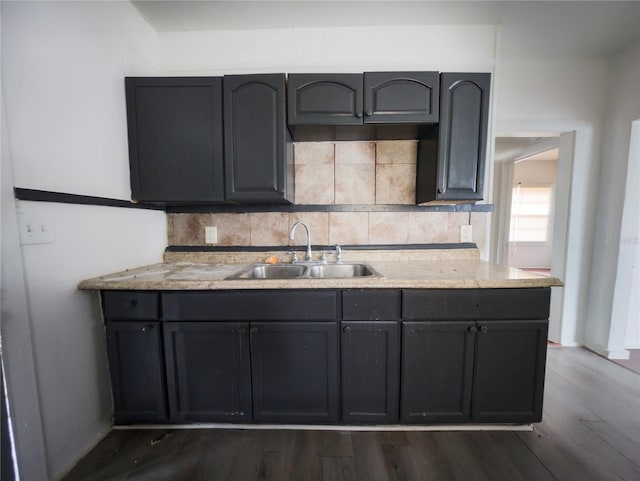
590 432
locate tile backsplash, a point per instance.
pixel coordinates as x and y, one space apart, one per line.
345 173
327 228
382 172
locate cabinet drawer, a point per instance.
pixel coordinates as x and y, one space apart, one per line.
130 305
259 305
469 304
370 305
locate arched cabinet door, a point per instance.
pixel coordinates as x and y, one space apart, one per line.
257 156
464 114
451 156
325 99
401 97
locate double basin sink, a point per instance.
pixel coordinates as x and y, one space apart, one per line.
300 271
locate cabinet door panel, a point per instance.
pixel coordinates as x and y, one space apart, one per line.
325 99
175 138
256 137
509 376
208 371
295 372
401 97
464 114
370 371
437 370
135 364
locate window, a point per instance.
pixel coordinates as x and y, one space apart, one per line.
530 210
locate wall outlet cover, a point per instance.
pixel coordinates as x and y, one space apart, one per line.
466 234
211 235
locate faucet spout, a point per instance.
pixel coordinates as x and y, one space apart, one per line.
306 227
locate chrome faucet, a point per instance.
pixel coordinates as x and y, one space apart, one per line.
293 231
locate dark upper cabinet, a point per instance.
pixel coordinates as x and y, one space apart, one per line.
401 97
509 372
451 157
325 99
294 370
437 371
208 371
354 99
137 376
175 139
258 154
370 364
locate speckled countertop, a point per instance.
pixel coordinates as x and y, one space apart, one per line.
409 269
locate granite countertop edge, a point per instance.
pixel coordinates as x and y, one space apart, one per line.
459 271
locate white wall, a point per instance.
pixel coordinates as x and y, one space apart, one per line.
63 67
562 95
336 49
626 301
606 335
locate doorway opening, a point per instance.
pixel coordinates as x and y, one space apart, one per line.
532 184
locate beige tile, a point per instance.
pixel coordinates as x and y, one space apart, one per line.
188 229
395 184
314 152
428 227
456 219
351 228
314 184
233 229
479 222
388 227
396 152
269 229
355 153
355 184
318 223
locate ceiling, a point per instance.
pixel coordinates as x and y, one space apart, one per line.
547 28
509 149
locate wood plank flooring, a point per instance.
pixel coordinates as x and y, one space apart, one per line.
590 432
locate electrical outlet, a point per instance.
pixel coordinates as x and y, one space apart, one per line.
211 235
466 234
35 229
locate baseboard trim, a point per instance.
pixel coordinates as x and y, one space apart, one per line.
609 353
319 427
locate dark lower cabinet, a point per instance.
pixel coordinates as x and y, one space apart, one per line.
509 373
437 371
327 356
208 371
294 372
370 357
137 374
484 371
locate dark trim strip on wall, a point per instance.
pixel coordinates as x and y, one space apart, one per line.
64 198
368 247
223 209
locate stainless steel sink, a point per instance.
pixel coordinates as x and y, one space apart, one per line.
297 271
271 271
334 271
